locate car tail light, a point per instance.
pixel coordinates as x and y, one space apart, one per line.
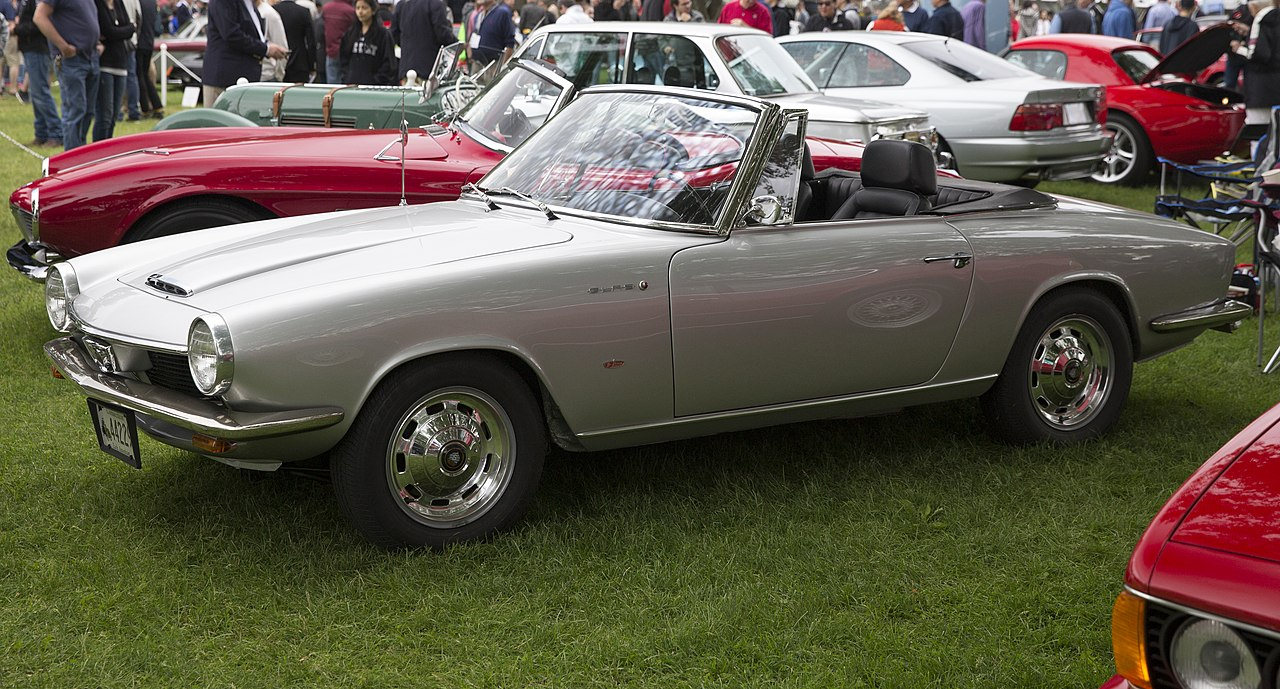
1035 117
1127 639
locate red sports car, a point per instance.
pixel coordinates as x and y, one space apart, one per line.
1199 608
1152 110
160 183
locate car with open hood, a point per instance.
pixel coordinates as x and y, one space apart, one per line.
1199 608
1153 109
997 121
652 264
137 187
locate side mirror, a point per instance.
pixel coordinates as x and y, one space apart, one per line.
764 210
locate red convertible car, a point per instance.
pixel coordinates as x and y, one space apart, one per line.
1151 110
161 183
1199 608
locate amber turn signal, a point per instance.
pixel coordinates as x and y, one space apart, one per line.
1127 636
215 446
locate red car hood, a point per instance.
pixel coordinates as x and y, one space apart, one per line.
1196 54
254 142
1240 511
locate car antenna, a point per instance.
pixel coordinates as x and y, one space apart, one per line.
404 141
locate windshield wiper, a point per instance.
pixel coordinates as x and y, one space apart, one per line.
475 188
523 196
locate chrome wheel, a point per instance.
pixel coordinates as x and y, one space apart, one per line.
1129 159
1071 372
451 457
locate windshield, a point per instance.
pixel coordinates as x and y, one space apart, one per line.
1136 63
639 156
965 61
761 67
511 108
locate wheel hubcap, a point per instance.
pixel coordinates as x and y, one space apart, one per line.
451 457
1120 159
1071 372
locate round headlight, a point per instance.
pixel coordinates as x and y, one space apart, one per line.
209 354
60 288
1206 654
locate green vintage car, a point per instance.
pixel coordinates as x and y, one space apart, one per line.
269 104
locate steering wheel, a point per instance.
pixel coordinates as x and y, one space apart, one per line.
664 147
674 177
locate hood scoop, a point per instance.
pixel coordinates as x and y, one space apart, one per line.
158 282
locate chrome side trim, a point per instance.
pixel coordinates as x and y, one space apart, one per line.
774 408
1216 314
1236 624
199 415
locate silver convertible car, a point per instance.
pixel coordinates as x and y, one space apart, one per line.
651 264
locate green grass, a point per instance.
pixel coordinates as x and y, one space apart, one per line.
899 551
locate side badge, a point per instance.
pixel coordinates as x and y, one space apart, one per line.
613 363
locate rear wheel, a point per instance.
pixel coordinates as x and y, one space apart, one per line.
186 216
445 451
1130 159
1067 376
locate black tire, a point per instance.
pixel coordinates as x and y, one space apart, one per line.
473 474
1068 374
197 214
1130 160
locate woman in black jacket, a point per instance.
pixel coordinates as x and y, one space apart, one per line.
115 29
367 52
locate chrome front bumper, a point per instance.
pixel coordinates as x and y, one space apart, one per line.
196 414
1223 314
31 259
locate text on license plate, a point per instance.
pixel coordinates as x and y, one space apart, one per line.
117 432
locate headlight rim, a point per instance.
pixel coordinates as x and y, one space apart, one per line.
61 274
223 353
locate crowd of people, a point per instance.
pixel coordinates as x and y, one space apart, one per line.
99 51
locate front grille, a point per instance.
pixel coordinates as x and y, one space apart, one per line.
26 223
171 371
336 122
1163 622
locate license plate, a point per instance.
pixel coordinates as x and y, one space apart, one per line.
1077 113
117 432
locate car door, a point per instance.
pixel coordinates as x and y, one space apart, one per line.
783 314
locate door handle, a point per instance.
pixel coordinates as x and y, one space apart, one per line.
960 260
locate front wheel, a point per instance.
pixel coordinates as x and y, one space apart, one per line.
1068 374
446 451
195 214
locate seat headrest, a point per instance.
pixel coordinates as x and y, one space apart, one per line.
807 171
899 164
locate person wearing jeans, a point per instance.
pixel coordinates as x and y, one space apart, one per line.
116 30
72 27
35 52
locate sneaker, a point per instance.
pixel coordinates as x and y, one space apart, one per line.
22 97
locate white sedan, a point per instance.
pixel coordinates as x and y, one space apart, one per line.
1000 122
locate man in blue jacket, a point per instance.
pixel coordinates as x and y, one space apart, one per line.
1119 21
491 34
945 20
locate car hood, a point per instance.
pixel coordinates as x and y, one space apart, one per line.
253 143
1238 513
824 108
1197 53
228 266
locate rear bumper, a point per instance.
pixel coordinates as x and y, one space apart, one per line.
32 259
1012 158
1222 314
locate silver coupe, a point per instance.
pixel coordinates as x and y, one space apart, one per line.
651 264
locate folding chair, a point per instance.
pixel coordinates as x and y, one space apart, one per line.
1236 205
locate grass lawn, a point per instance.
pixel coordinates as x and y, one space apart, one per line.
899 551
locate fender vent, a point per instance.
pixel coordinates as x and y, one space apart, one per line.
157 282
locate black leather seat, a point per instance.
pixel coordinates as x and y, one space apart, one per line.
898 177
804 195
